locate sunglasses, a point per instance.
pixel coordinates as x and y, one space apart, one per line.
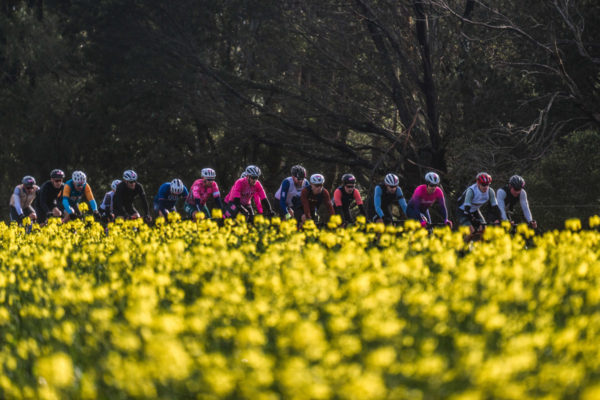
484 184
253 177
29 187
57 180
317 184
350 186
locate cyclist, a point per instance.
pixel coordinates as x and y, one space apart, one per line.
386 193
244 190
22 199
124 195
74 191
424 197
167 196
473 198
510 194
311 199
344 195
106 208
289 191
47 201
202 189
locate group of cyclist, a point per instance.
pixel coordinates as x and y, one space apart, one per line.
299 196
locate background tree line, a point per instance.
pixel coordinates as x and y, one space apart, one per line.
366 86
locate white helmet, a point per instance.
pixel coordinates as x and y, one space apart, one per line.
208 173
114 184
177 186
391 180
79 178
432 178
253 171
243 175
130 176
317 179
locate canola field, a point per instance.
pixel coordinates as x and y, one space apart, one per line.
233 311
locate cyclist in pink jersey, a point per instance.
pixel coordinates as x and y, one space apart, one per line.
424 197
242 193
201 191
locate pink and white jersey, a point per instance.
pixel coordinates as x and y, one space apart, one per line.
200 191
242 189
422 200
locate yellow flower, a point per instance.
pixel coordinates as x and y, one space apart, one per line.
56 370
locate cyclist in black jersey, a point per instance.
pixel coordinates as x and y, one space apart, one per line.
344 195
126 192
47 202
511 194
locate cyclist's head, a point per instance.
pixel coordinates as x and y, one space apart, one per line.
177 186
79 178
28 181
484 179
317 179
432 178
348 179
130 176
252 172
299 172
391 180
243 175
57 174
114 184
516 182
208 174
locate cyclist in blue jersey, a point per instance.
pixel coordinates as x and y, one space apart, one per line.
386 194
74 191
288 193
168 194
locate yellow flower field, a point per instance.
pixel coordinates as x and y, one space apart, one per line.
197 310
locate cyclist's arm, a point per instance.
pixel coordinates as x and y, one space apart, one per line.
494 203
65 199
285 187
377 201
525 206
140 191
500 198
401 199
17 200
90 198
327 200
305 203
468 199
259 196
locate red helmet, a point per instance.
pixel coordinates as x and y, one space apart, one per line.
484 178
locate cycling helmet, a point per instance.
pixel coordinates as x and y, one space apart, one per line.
253 171
243 175
28 181
130 176
299 172
391 180
79 178
114 184
432 178
177 186
348 179
484 178
57 174
516 182
317 179
208 173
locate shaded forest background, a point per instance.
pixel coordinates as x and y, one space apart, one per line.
362 86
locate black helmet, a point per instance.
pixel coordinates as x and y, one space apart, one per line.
28 181
299 172
516 182
348 179
57 174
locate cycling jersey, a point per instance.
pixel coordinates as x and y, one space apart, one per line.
311 202
507 201
21 200
123 199
382 200
72 197
288 191
200 193
165 200
422 200
243 190
472 199
48 198
342 201
107 202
